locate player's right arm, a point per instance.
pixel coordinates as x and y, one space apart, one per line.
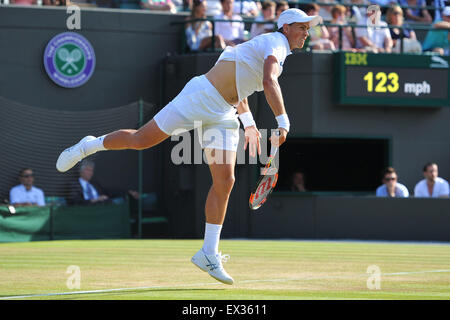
274 97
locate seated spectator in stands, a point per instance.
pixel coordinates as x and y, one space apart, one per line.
298 182
438 40
338 13
161 5
268 14
84 191
199 33
357 13
416 14
375 37
432 186
232 32
61 3
214 8
439 6
325 11
280 7
319 36
25 194
391 188
23 2
246 8
394 17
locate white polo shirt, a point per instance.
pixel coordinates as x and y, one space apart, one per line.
440 189
19 194
250 57
229 30
376 35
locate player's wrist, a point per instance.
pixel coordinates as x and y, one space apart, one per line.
283 121
247 119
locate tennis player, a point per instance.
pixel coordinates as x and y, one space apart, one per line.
213 99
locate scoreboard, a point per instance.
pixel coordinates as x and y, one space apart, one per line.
391 79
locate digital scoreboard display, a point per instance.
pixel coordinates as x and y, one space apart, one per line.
392 79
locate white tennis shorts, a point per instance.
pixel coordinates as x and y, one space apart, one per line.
200 105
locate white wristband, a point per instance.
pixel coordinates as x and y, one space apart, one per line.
247 119
283 121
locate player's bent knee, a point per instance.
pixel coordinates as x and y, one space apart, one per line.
224 186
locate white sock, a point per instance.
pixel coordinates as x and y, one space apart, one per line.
94 145
212 237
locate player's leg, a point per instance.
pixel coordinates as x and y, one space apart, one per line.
145 137
222 172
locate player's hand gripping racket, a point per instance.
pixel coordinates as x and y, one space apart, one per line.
266 181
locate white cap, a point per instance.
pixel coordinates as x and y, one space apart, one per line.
446 11
296 15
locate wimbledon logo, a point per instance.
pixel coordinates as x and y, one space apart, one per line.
69 59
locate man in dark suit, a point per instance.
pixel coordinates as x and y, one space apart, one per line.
84 191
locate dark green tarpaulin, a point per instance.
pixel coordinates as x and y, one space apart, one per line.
104 221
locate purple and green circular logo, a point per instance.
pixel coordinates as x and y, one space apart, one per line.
69 59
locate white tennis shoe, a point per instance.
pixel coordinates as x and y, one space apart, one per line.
72 155
213 265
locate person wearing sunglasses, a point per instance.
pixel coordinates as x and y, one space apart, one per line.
25 194
391 188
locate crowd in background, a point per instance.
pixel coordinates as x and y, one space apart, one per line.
394 33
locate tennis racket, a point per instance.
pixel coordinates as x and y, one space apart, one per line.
266 181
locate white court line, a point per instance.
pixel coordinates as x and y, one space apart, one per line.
208 283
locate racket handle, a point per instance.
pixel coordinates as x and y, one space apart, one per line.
273 149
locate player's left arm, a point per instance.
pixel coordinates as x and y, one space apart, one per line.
274 97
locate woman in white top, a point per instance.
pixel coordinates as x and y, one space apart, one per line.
199 33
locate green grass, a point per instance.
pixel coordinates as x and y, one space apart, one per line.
161 269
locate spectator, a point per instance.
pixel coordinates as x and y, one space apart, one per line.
319 36
232 32
162 5
298 182
54 3
199 33
338 13
268 14
280 7
439 8
432 186
214 8
391 188
84 191
436 40
25 194
394 17
23 2
246 8
417 13
325 10
375 37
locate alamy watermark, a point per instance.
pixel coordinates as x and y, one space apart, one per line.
74 279
212 140
73 22
374 280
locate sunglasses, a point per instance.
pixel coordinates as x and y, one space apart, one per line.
390 179
27 175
